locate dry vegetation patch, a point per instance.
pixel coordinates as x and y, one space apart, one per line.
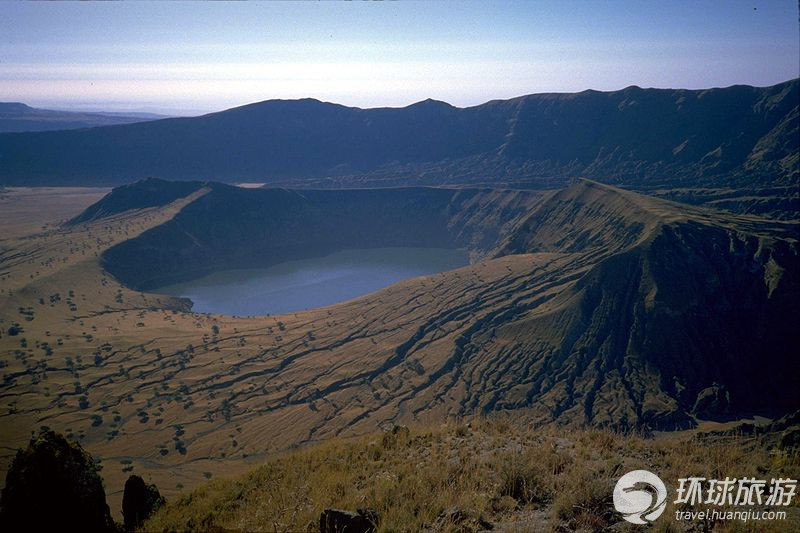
469 477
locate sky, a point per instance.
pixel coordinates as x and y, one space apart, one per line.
188 58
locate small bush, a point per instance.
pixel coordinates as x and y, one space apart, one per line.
523 482
585 501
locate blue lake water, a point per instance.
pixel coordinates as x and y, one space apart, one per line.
309 283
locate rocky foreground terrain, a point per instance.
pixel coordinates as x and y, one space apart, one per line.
482 475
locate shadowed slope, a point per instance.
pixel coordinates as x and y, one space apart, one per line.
676 306
638 137
243 228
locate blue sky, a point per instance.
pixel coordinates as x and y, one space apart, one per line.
185 58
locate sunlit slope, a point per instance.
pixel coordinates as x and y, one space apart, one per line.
593 305
487 474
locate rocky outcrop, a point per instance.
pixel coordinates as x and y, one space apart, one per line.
139 501
339 521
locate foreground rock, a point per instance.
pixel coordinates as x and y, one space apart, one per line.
139 502
339 521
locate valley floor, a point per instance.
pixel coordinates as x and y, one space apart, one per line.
26 210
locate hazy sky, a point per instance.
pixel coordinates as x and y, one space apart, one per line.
192 57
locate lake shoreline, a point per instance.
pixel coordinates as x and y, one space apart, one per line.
311 283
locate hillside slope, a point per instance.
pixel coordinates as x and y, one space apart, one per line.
588 306
738 136
678 314
486 474
628 311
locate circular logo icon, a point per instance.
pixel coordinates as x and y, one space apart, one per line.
640 496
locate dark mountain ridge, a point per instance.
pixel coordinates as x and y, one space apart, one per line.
634 137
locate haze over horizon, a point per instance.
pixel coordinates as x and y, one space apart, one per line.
180 58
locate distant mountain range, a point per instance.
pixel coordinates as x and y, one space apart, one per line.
730 137
18 117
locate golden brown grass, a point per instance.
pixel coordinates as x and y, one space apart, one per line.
514 477
176 396
25 210
180 397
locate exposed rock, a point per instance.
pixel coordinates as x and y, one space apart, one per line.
139 501
787 421
790 438
339 521
789 426
54 485
401 431
712 402
394 435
